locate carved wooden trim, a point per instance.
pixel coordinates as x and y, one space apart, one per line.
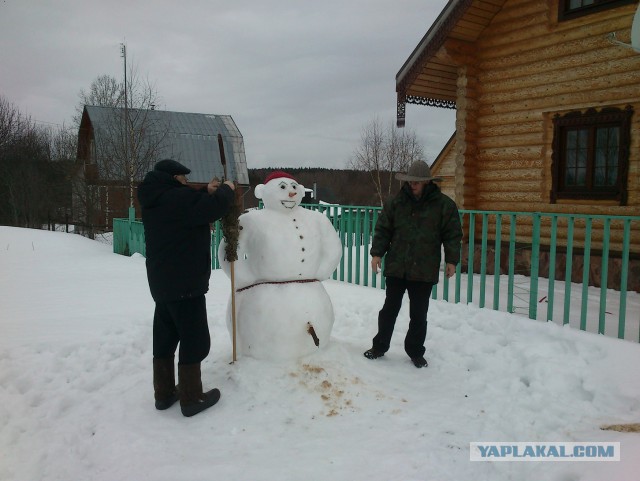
403 101
402 107
447 104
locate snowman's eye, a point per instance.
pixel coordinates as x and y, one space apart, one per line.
282 186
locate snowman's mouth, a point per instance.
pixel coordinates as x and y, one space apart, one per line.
289 204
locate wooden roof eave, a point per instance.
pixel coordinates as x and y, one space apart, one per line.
459 23
432 41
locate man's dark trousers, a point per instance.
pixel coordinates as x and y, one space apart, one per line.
419 294
184 322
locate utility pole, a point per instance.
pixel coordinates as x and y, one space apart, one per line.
132 210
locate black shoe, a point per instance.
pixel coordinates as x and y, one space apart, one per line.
373 354
419 362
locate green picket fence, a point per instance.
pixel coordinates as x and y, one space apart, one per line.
128 235
520 259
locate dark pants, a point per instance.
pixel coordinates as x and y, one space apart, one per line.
183 322
419 293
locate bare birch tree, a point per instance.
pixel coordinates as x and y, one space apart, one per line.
370 155
385 152
105 91
130 137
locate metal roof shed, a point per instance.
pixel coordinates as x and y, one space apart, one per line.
189 138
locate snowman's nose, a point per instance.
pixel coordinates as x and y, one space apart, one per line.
292 194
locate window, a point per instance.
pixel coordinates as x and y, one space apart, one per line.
591 155
569 9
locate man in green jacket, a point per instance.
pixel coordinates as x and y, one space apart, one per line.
412 230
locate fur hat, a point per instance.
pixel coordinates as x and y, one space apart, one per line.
171 167
277 174
419 171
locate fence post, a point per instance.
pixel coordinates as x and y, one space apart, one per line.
568 270
535 265
336 225
459 266
512 255
367 245
604 274
483 258
472 235
552 268
623 278
358 243
496 263
586 262
374 221
216 237
132 218
343 238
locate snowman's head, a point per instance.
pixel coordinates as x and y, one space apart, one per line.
280 191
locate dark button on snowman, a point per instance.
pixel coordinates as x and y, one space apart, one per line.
284 252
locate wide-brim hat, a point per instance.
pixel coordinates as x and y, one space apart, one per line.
172 167
419 171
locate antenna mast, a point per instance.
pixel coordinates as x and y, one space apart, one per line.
127 163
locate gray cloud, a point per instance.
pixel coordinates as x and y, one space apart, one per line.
300 78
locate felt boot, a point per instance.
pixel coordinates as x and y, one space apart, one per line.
192 399
164 383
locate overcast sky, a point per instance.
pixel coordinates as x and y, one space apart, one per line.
301 78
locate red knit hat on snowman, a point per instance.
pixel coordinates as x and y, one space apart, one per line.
278 174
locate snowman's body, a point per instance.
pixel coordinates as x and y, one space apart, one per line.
284 252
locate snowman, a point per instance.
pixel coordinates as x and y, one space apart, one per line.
284 253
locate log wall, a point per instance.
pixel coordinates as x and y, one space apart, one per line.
445 168
531 67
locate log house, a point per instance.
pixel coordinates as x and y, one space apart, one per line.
547 106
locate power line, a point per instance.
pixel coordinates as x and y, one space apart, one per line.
52 123
48 123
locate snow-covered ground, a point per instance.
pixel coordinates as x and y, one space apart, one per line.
76 400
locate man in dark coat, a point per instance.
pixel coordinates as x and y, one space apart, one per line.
413 228
176 221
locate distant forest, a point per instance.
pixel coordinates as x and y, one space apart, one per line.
346 187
